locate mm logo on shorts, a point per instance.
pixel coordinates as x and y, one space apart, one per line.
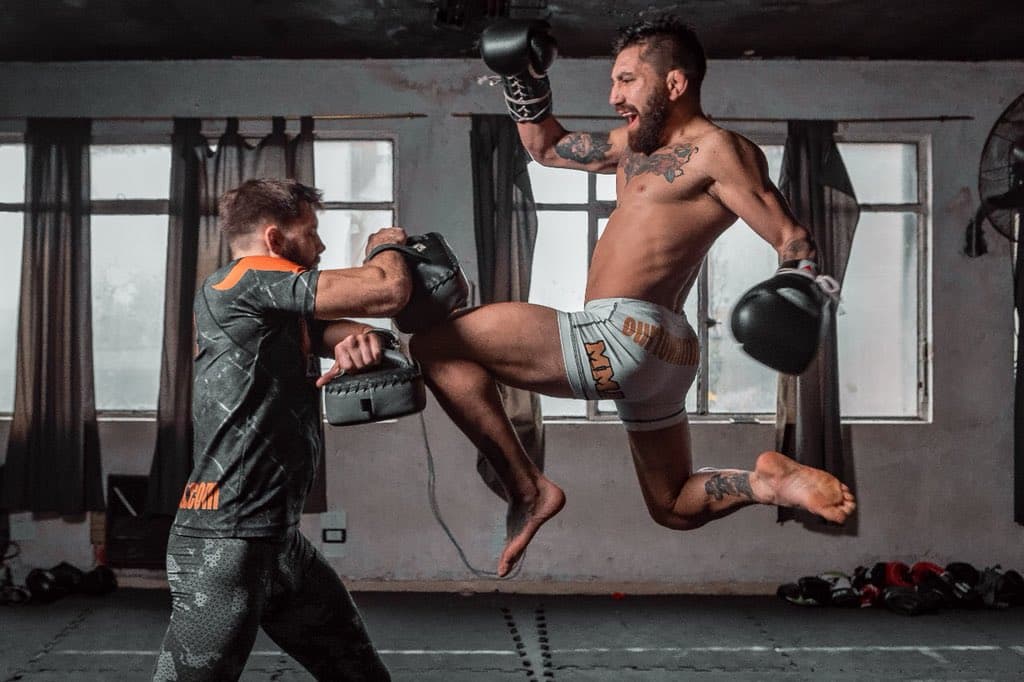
200 495
601 370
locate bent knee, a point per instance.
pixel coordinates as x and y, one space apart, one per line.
424 347
670 518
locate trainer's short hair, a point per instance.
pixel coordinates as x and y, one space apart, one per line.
259 202
668 43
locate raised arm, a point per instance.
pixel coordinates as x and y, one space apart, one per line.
552 145
521 53
379 288
742 185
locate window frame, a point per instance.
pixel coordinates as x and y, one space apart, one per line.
135 133
13 138
343 135
774 133
330 133
596 210
923 209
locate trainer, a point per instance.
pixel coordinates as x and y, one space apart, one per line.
236 560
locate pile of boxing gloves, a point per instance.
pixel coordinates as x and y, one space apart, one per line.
924 587
47 585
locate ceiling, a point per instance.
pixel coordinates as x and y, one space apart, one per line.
60 30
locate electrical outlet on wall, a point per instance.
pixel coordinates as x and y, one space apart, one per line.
23 527
333 532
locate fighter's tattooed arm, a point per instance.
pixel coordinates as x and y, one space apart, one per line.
584 147
734 484
668 164
795 249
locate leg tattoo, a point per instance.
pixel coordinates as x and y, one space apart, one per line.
737 484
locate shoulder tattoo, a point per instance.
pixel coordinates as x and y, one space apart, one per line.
584 147
668 164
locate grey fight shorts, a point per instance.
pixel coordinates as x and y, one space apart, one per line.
639 354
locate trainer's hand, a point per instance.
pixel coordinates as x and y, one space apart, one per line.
355 353
387 235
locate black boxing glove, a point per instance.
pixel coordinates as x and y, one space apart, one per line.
778 322
521 53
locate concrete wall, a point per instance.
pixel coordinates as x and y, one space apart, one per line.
940 489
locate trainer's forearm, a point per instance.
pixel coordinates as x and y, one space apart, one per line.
335 332
380 288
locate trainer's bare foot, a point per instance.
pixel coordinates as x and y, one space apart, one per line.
784 482
525 519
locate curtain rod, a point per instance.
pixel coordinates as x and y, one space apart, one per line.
467 114
296 117
904 119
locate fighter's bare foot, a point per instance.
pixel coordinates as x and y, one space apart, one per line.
784 482
525 519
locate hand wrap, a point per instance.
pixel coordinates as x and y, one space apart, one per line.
521 52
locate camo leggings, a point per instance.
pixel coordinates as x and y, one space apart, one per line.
223 590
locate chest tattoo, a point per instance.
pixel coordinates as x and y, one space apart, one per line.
668 164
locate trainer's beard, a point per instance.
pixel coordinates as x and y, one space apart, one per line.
646 139
289 250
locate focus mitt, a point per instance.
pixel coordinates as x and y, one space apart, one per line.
439 286
393 389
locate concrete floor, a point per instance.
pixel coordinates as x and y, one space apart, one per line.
483 637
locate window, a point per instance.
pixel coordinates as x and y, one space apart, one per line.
357 179
12 211
881 324
130 184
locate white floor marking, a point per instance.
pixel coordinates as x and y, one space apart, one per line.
394 652
932 652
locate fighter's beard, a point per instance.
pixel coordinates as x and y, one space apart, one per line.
646 139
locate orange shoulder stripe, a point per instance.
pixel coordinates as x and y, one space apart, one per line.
244 265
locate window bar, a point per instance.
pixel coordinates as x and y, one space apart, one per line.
592 217
703 380
922 279
129 207
358 206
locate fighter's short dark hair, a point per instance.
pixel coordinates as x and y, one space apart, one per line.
669 43
259 202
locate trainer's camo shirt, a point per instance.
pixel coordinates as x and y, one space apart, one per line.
255 407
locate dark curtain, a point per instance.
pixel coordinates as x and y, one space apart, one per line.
53 457
199 176
1018 397
505 224
816 185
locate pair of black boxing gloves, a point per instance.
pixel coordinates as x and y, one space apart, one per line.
779 321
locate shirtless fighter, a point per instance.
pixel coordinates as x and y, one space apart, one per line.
681 181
